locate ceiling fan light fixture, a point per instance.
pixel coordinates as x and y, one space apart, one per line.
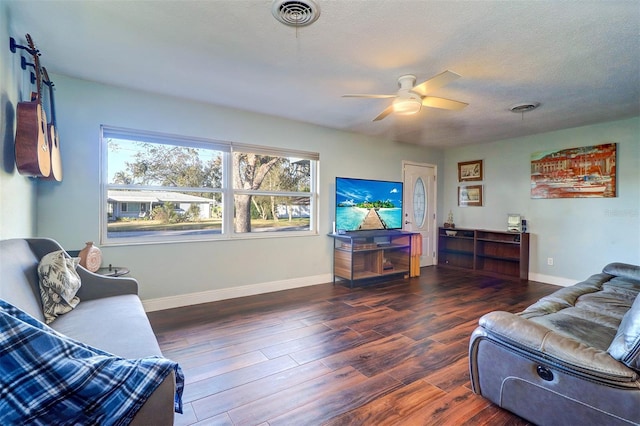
407 105
411 98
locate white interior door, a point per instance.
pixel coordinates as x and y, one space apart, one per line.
420 206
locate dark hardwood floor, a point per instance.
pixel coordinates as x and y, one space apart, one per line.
385 354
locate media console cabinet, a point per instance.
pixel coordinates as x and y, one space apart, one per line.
362 255
500 253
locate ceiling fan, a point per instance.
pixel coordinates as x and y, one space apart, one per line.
410 98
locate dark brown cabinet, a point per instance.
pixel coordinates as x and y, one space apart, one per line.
494 252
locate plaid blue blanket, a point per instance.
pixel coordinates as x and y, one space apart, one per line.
47 378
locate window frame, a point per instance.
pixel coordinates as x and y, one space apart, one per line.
227 191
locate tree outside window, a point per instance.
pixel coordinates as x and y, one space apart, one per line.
181 186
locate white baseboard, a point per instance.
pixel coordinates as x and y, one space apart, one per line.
232 292
549 279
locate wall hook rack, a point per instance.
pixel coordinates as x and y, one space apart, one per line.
24 64
13 46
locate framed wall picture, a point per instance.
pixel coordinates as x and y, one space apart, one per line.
470 196
470 171
587 171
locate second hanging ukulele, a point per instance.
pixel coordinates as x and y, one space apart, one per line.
52 133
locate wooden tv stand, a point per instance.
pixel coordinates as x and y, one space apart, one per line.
362 255
499 253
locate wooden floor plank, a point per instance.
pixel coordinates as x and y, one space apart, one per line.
449 377
435 357
188 416
378 356
318 411
204 371
392 409
459 333
407 322
236 378
434 325
368 320
332 311
323 339
492 415
390 353
227 337
280 339
226 398
453 408
280 403
345 340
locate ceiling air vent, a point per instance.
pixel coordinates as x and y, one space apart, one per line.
524 107
296 13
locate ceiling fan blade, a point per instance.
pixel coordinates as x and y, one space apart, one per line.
436 82
384 113
369 96
433 102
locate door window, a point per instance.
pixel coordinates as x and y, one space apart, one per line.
419 203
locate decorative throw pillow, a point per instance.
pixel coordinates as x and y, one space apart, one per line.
59 283
625 346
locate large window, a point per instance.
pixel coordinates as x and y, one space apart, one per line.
168 188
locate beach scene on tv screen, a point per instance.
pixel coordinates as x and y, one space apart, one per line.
368 204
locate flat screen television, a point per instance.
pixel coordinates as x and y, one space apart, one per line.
365 204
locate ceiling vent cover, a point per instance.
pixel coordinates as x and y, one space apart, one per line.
524 107
295 13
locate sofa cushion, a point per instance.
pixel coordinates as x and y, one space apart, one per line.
59 283
589 312
116 324
625 346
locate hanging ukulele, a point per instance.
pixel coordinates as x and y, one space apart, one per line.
32 144
52 134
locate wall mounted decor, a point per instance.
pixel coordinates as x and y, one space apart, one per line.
588 171
32 139
37 148
470 196
470 171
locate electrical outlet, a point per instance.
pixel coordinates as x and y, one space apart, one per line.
550 261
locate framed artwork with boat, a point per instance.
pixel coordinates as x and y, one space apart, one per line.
588 171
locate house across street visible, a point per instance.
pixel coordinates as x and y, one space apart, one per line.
135 204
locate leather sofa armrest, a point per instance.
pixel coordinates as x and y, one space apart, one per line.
538 339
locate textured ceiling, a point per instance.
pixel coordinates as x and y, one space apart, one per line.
579 59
